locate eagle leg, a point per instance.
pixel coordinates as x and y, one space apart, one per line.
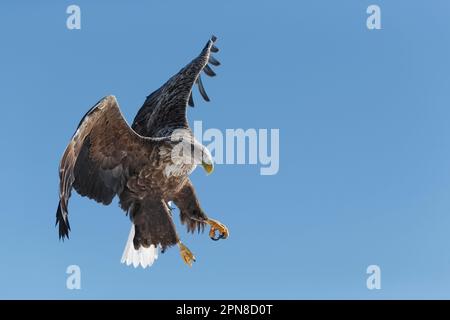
186 254
217 226
191 213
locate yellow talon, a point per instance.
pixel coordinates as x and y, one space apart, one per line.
217 226
186 254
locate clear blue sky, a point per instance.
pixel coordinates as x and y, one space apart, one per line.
364 153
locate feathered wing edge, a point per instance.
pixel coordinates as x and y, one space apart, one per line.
66 167
175 95
210 61
108 111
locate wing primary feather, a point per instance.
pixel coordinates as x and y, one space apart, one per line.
175 95
207 69
191 100
202 89
213 61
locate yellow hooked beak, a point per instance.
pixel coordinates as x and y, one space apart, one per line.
209 168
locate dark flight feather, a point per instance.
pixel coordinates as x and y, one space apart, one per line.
191 101
169 102
213 61
202 89
208 71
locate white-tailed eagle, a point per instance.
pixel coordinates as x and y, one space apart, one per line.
145 165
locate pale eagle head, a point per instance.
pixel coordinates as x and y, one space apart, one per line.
185 154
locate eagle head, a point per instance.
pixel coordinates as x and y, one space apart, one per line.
185 154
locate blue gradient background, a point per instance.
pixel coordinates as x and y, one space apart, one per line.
364 153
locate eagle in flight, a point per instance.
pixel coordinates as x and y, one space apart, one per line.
146 165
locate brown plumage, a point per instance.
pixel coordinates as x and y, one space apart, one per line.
107 158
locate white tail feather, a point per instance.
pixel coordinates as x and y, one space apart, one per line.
144 256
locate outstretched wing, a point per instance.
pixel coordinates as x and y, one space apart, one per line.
102 153
165 109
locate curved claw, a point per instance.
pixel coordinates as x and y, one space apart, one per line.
217 226
220 236
186 254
